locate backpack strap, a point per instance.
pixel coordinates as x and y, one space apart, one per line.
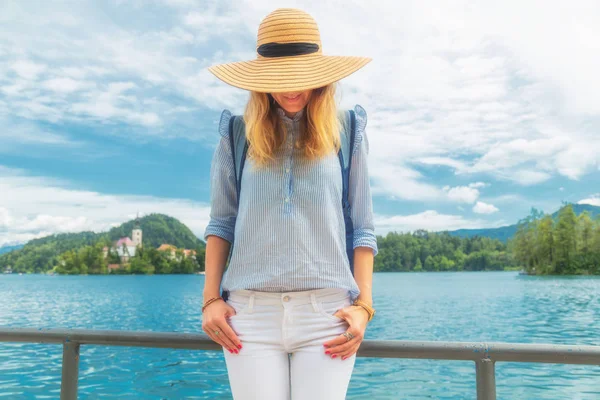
348 137
239 149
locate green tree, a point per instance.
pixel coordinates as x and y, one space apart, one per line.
544 245
566 240
585 232
139 265
418 266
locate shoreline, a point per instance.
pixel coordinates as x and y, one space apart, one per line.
516 272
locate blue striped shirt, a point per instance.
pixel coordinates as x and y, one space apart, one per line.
289 228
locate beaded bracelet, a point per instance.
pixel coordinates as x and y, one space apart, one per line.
209 302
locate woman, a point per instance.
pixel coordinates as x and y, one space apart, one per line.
294 315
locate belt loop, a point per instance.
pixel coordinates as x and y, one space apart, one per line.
251 303
313 300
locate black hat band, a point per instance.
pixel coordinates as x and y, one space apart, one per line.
287 49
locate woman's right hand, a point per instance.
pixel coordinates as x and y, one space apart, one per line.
214 323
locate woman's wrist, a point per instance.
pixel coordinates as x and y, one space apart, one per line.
362 310
210 301
211 290
210 294
366 299
368 308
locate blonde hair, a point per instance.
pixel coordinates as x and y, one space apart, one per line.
266 133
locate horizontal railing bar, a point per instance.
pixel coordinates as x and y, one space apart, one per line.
470 351
507 352
174 340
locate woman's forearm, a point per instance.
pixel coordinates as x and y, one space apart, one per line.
217 251
363 273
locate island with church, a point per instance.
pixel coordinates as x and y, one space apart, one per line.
154 244
125 249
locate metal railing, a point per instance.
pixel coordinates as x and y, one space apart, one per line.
485 355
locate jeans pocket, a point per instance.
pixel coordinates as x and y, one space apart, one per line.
329 308
240 307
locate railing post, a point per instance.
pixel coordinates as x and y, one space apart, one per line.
70 371
486 379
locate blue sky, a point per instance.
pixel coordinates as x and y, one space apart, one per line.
478 110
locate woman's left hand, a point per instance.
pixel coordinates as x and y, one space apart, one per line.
340 346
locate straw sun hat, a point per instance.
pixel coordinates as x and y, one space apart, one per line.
289 57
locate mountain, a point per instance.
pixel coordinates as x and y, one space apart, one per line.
7 249
39 255
504 233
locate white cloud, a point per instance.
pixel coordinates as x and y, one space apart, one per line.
478 184
485 88
40 206
181 3
578 158
64 85
5 218
429 220
82 72
53 223
28 69
25 135
484 208
460 89
443 161
215 21
113 104
528 178
593 200
532 161
400 182
116 88
462 194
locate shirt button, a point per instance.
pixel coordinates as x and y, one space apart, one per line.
286 298
287 170
287 199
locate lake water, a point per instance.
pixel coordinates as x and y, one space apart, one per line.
470 306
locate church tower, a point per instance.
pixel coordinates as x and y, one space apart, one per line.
136 233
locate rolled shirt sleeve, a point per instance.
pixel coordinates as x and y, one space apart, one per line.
223 196
359 190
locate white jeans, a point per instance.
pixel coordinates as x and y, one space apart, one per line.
282 354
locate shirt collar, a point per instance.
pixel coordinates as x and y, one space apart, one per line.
285 118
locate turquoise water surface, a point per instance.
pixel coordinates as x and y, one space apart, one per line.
469 306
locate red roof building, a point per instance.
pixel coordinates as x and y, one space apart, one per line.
172 250
126 241
112 267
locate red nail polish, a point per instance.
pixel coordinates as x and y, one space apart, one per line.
231 351
343 358
327 352
236 352
334 356
239 346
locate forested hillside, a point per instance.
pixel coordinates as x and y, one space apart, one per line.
567 244
505 233
41 255
431 251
